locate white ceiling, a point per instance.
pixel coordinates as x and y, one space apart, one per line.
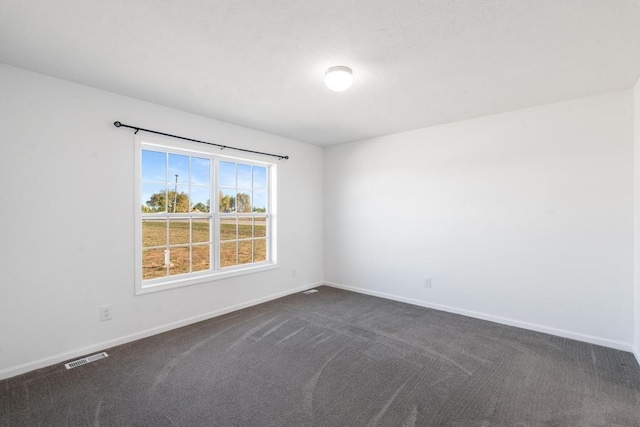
260 64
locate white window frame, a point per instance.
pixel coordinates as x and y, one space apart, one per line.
215 273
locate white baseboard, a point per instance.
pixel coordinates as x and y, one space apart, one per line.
618 345
636 353
48 361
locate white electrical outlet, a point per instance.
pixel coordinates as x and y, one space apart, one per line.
106 313
427 282
293 272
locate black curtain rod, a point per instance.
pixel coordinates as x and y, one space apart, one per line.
222 147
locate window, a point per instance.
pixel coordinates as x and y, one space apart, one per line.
200 216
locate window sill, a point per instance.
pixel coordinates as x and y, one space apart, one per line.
173 283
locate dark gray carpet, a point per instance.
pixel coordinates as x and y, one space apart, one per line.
336 358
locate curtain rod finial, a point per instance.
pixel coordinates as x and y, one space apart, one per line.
117 124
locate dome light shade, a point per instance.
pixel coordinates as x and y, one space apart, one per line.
338 78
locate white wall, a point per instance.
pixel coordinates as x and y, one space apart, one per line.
68 218
524 217
636 259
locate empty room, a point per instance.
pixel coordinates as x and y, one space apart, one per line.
320 213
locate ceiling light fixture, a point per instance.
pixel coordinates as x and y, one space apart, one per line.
338 78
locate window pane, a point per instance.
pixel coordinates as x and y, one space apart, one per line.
178 201
153 198
244 175
259 177
227 200
200 199
179 232
228 228
244 202
244 252
154 166
178 165
227 174
201 257
228 255
153 263
179 261
260 201
154 232
244 228
259 250
200 230
200 171
260 227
